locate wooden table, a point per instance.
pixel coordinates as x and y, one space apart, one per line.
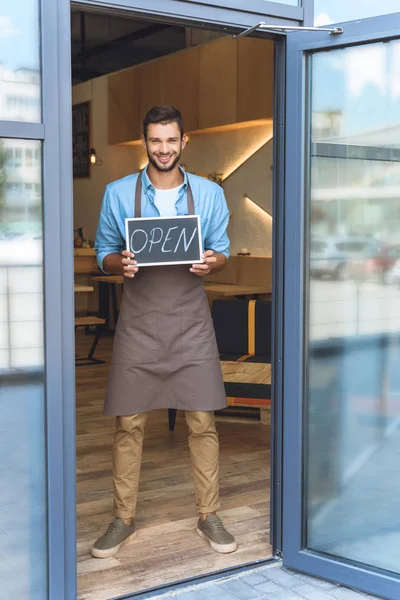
233 289
78 288
104 301
246 372
117 279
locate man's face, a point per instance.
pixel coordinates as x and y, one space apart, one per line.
164 145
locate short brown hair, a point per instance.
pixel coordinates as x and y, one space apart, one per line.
164 114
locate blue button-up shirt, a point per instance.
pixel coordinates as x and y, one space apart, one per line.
119 203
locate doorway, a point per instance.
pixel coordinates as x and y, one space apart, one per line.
120 68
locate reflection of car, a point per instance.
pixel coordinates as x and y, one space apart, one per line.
392 275
330 257
375 263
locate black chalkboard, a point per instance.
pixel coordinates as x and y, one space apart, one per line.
157 241
81 139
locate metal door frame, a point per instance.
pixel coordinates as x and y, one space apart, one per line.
59 272
55 134
297 166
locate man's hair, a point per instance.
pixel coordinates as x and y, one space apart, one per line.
163 114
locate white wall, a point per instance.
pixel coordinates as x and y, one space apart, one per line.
221 153
117 161
250 226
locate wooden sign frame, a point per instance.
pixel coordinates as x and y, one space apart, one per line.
167 263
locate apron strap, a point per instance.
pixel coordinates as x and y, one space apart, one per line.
138 198
190 201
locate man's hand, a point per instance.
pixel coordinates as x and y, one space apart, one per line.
129 268
212 262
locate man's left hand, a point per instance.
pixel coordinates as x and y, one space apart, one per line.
206 266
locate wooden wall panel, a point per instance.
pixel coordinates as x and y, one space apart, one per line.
255 89
217 83
123 107
254 270
245 270
148 81
179 83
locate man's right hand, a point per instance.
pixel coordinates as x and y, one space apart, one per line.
129 266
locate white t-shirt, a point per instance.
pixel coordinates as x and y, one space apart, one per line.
165 201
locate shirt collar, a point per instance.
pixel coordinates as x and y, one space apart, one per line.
148 185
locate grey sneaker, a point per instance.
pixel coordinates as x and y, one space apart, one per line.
212 530
118 534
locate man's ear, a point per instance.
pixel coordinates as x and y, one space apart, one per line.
184 141
144 143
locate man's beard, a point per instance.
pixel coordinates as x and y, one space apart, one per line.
167 168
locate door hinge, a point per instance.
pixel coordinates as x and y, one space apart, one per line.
279 553
263 25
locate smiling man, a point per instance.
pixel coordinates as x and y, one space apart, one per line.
165 354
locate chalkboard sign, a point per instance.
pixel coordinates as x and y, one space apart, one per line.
157 241
81 139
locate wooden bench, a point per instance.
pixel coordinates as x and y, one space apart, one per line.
251 379
90 321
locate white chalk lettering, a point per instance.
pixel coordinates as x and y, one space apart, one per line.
133 249
185 243
167 239
152 240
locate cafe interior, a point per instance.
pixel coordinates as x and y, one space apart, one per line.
120 68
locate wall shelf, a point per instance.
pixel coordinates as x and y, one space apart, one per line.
214 130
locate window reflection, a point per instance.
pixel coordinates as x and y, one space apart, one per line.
22 406
327 12
20 95
354 305
21 344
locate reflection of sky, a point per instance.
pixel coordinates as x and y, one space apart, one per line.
19 34
362 83
335 11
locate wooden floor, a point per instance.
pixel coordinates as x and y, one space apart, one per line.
167 547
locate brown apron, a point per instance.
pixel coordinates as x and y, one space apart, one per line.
165 354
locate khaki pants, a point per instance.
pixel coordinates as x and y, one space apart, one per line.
127 455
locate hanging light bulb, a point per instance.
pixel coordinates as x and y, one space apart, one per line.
93 158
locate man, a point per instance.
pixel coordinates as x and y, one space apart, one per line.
165 354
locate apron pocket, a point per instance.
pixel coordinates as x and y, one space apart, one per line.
136 341
198 336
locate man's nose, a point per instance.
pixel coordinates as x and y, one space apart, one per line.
164 147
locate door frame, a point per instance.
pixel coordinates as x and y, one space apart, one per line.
185 13
208 13
296 556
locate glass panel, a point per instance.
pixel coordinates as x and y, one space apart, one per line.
22 406
327 12
20 95
353 379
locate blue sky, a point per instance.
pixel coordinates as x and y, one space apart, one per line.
349 10
361 82
19 34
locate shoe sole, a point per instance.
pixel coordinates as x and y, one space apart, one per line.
96 553
222 548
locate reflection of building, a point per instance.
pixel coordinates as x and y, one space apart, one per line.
22 189
326 124
356 184
20 95
20 101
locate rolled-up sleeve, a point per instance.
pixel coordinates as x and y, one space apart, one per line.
217 237
108 236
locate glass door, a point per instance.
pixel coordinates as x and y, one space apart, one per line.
342 306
